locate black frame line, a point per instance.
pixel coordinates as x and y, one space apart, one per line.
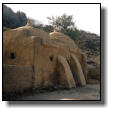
64 102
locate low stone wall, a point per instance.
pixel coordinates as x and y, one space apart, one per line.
17 78
94 73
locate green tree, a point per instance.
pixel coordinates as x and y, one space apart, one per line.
48 28
73 33
62 22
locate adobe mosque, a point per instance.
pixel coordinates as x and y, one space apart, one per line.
33 58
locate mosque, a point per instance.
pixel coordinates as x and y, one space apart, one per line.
33 58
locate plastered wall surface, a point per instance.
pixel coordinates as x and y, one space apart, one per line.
17 78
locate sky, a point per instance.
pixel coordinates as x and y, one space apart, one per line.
85 16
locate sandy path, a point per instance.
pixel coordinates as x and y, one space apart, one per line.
87 92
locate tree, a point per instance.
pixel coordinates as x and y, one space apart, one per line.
73 33
13 20
62 22
48 28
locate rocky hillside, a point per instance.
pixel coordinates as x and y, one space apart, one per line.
89 43
13 20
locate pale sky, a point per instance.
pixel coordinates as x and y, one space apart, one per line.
86 16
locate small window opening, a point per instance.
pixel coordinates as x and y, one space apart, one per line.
67 61
51 58
12 56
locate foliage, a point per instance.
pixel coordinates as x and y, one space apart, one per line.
72 33
62 22
48 28
13 20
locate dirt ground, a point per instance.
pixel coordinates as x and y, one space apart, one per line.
91 91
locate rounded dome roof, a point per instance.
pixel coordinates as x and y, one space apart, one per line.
29 30
60 37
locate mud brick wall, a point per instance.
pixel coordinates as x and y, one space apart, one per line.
94 73
17 78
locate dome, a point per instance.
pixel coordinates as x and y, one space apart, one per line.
29 30
60 37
